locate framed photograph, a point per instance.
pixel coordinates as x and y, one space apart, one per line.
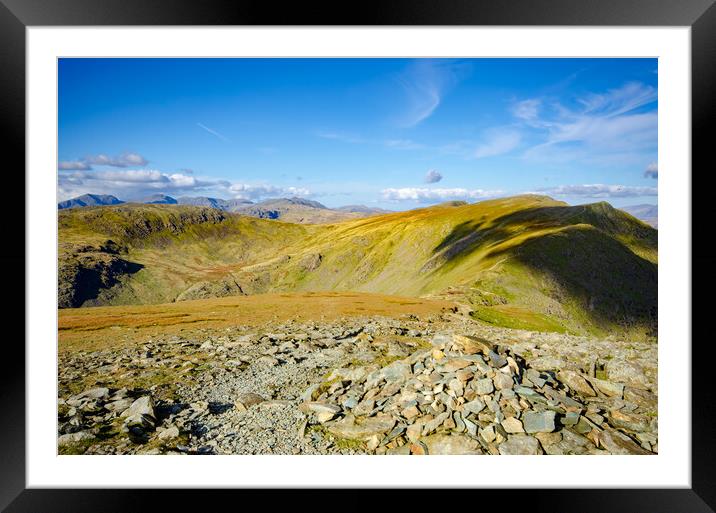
300 242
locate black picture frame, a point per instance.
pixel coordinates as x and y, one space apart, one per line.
700 15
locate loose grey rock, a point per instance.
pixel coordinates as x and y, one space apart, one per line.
520 444
483 386
539 422
576 382
73 437
361 428
618 443
512 425
451 444
169 433
140 413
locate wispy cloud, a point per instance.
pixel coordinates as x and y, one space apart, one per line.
124 160
395 144
433 176
527 110
213 132
652 170
255 192
403 144
426 195
425 83
610 127
73 165
616 102
339 136
497 142
600 191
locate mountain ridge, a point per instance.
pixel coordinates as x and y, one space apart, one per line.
293 209
89 200
525 260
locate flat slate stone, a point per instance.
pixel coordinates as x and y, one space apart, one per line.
520 444
451 444
539 422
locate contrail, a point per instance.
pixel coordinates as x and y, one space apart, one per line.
213 132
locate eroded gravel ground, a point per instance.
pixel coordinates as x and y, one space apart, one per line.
275 390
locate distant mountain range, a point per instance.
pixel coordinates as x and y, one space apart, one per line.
294 210
299 210
647 213
221 204
363 209
89 200
159 199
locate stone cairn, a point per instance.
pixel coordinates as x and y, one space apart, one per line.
467 395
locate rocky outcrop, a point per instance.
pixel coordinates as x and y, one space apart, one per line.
84 271
208 289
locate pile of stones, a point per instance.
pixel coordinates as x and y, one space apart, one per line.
466 395
361 385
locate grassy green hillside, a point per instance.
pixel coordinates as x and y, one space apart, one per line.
526 262
170 248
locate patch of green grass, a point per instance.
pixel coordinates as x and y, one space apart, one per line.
77 448
347 444
517 318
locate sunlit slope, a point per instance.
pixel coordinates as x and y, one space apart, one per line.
526 261
169 248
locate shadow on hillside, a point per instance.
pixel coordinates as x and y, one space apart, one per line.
91 280
610 282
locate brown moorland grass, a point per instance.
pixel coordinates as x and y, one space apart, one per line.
102 327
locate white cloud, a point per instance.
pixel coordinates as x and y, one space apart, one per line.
425 83
652 170
73 165
124 160
134 159
608 133
497 142
425 195
600 191
606 128
527 110
129 176
433 176
255 192
130 183
181 180
615 102
138 183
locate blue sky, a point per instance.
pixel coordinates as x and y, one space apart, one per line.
392 133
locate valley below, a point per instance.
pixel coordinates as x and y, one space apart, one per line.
512 326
